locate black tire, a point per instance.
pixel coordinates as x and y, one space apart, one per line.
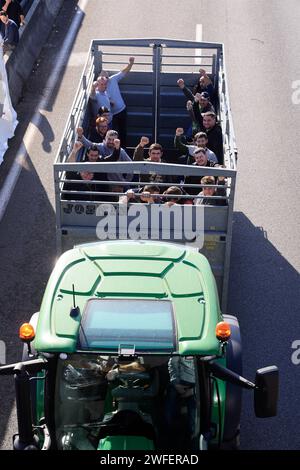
233 443
233 406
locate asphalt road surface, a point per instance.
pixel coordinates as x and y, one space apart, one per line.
262 45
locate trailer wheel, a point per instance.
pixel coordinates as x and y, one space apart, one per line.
233 404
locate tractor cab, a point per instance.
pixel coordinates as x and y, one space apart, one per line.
114 392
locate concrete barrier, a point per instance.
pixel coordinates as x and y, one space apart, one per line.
39 22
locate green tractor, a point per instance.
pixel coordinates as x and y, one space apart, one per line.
131 351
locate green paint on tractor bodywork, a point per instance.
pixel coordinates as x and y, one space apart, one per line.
131 270
125 443
135 270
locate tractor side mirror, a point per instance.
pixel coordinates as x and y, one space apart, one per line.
266 392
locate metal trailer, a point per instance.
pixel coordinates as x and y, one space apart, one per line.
155 107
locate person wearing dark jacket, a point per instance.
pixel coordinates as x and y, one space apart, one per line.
191 96
88 187
155 156
200 140
9 32
196 105
204 199
14 11
204 84
98 133
201 105
106 149
214 135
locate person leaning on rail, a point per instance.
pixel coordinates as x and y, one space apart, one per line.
89 187
172 191
208 190
144 195
200 161
92 156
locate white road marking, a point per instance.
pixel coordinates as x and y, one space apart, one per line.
21 156
199 32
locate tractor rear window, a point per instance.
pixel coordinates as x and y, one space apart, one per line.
145 325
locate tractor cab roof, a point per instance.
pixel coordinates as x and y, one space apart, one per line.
159 297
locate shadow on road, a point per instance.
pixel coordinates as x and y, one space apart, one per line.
264 294
36 87
27 231
27 254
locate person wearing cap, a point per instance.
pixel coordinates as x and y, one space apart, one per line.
204 84
103 111
9 32
190 95
201 104
196 105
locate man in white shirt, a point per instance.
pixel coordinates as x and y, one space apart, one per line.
118 106
100 98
